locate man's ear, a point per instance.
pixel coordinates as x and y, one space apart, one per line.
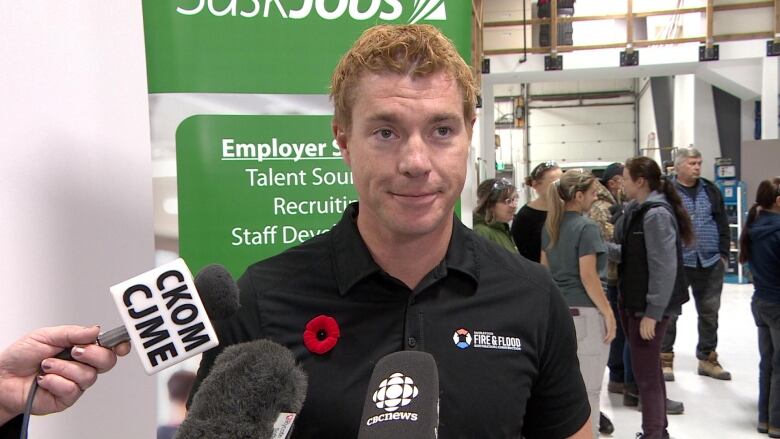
341 139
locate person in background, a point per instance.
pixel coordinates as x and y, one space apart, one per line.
651 282
607 208
705 262
608 201
760 247
529 221
60 382
496 204
573 250
179 386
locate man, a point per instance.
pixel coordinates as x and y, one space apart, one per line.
705 262
607 204
399 271
60 382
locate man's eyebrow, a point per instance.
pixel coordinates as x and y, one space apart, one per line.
445 117
392 118
382 117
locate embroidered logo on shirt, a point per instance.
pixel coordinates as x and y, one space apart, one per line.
485 340
462 338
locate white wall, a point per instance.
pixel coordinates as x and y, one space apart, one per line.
648 130
75 189
684 110
694 120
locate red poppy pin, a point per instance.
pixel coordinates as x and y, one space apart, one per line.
321 334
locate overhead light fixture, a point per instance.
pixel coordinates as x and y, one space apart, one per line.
629 57
553 62
711 53
773 47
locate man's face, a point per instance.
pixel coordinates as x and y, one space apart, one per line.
689 169
407 148
615 184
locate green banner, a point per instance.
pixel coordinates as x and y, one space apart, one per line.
252 186
274 46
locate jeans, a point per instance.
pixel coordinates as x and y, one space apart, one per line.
767 317
617 370
706 285
646 365
592 354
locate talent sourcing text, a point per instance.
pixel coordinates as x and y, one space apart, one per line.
318 203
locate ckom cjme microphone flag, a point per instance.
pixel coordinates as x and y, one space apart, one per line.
164 316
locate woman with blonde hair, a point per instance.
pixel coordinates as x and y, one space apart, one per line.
496 204
575 253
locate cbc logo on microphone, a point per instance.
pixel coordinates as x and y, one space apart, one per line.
394 392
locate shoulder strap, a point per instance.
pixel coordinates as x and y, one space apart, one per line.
642 210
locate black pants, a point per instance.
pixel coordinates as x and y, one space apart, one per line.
767 316
706 285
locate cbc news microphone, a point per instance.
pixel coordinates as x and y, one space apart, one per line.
402 400
254 390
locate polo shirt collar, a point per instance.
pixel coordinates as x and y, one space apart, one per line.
353 261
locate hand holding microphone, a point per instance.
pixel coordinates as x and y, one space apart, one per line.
60 379
64 381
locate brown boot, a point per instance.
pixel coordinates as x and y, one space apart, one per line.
667 365
711 368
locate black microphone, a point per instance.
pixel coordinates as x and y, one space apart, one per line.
252 388
217 290
402 400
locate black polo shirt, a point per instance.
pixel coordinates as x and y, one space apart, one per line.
498 327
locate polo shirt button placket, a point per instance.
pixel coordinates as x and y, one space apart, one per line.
411 342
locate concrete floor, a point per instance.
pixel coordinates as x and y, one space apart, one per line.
713 409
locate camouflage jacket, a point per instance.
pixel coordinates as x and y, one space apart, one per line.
601 213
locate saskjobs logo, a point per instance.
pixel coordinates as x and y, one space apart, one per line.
394 392
387 10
